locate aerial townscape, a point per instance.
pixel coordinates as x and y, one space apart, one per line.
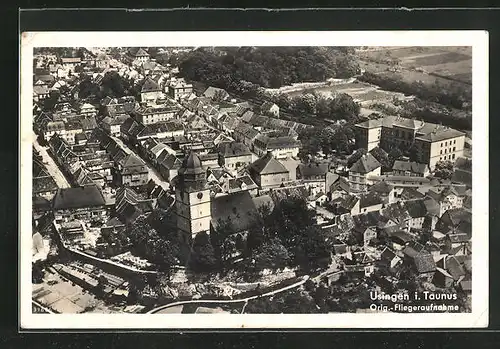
250 179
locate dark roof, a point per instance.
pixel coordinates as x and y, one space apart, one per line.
369 199
381 187
191 164
396 212
233 149
462 176
68 198
454 267
441 135
267 164
239 208
44 184
365 164
409 193
416 208
388 254
412 166
312 169
150 85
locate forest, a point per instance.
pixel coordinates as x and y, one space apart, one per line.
269 67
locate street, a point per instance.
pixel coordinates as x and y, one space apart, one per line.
51 166
153 174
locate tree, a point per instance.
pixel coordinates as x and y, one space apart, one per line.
312 251
36 272
382 157
444 169
202 257
394 154
356 156
272 255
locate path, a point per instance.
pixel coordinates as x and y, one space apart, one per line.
243 300
51 166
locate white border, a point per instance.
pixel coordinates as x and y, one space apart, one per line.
477 39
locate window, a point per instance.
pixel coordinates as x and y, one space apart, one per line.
454 141
453 156
441 151
445 144
441 145
454 148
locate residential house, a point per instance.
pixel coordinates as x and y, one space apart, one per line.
282 147
113 125
88 110
410 168
313 175
179 89
385 191
234 155
217 94
209 160
161 130
168 165
270 109
417 211
151 115
361 172
85 202
369 202
40 93
132 171
419 258
117 106
244 183
448 197
137 56
390 258
267 172
150 90
70 63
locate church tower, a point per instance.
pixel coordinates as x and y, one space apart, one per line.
192 197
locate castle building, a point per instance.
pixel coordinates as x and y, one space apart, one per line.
193 206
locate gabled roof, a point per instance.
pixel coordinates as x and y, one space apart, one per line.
416 208
312 169
72 198
211 91
150 85
412 166
233 149
369 199
365 164
267 164
382 188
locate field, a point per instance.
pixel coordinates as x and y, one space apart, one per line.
427 64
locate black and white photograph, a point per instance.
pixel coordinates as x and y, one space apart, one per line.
326 176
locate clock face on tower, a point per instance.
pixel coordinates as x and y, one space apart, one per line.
200 195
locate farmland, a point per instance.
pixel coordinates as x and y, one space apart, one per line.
427 64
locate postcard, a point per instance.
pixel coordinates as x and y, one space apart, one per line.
256 180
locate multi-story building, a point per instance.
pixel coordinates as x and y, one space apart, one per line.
132 171
432 142
234 155
281 147
361 171
193 206
152 115
150 91
268 172
179 89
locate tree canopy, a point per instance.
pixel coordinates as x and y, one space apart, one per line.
270 67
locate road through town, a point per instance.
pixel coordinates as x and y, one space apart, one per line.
243 300
51 166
